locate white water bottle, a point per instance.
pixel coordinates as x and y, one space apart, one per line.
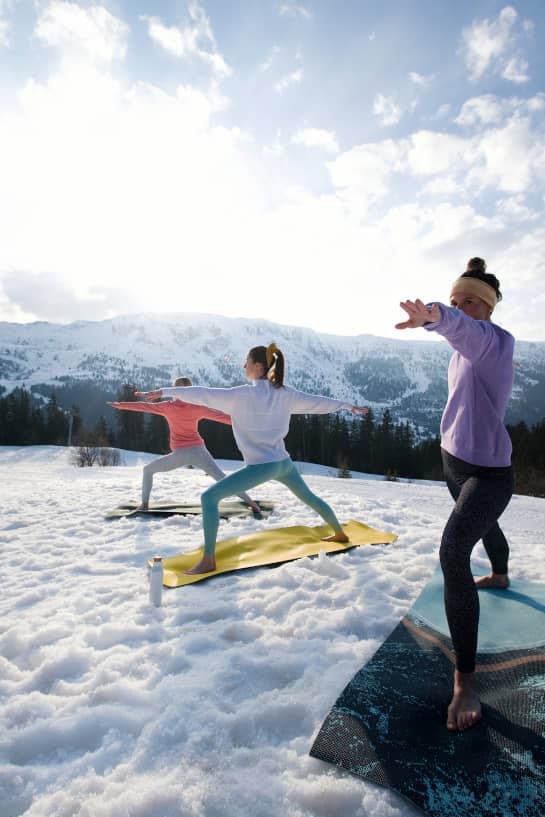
156 581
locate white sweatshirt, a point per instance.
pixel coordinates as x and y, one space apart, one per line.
260 414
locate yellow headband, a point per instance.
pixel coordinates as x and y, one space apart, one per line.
271 353
474 286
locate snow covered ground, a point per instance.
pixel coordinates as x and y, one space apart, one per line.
208 705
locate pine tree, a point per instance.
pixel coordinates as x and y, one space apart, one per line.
56 423
130 424
364 442
384 444
156 436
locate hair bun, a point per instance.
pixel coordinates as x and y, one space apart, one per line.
476 265
476 268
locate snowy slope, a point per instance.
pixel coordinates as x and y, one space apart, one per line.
208 705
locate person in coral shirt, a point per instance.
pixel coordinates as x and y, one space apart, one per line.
186 444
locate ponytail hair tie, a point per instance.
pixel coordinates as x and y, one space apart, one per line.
271 353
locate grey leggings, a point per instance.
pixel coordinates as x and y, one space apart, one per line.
481 495
196 455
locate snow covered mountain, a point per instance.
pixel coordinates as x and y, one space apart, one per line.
86 362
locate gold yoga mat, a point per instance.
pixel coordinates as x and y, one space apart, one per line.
270 547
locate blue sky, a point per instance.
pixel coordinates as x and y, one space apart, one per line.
310 163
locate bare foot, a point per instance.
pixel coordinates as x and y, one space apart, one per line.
142 507
465 708
339 536
500 580
206 565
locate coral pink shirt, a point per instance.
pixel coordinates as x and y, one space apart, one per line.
182 418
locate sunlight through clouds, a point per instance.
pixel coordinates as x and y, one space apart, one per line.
151 162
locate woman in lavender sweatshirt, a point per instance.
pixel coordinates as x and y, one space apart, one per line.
476 454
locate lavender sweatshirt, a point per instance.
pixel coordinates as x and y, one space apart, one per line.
480 377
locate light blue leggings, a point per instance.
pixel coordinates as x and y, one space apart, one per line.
250 476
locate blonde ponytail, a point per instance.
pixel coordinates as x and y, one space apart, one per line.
272 360
275 365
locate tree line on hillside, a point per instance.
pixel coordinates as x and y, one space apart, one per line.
376 445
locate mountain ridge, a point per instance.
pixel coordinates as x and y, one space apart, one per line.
407 376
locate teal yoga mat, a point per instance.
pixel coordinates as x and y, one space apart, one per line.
388 725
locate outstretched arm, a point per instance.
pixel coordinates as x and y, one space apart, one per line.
222 399
127 406
216 416
419 314
156 394
471 338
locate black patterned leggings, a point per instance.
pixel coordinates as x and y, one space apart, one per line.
481 495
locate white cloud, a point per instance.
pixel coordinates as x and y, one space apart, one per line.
433 226
489 44
516 70
514 208
78 33
536 103
361 175
52 297
501 151
443 111
269 60
5 25
522 264
294 78
275 149
387 110
318 138
4 33
431 153
105 186
194 40
294 10
487 109
420 79
507 157
109 187
443 185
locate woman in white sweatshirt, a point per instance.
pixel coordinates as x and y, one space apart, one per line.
260 415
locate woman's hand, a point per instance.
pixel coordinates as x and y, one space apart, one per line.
418 313
359 410
149 395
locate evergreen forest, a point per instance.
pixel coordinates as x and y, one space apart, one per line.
367 443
